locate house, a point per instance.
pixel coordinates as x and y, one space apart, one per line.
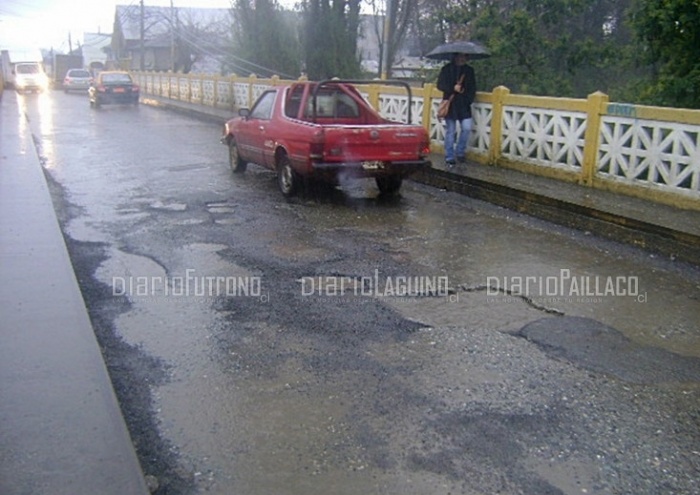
414 68
407 61
188 39
165 38
96 50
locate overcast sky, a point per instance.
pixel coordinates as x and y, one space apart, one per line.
28 24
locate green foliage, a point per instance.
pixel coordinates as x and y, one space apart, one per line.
549 47
643 53
669 30
266 41
320 39
329 38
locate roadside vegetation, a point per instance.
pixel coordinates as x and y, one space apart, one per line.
636 51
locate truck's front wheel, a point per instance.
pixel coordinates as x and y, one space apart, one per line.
287 178
238 164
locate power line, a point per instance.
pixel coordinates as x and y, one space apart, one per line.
208 48
159 15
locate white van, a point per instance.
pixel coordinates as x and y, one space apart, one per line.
30 76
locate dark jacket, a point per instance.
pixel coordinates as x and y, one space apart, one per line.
461 106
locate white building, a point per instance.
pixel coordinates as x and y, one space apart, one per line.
96 49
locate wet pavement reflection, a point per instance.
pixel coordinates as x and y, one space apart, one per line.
288 384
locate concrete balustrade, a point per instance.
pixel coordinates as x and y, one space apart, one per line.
646 152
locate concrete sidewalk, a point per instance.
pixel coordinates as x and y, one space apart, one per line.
657 228
61 429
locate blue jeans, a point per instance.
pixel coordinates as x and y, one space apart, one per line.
450 132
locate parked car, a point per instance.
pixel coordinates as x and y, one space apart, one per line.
325 131
77 80
113 87
30 76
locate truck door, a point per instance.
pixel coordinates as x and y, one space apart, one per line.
254 138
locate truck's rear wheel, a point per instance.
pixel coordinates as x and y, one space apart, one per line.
287 178
238 165
389 185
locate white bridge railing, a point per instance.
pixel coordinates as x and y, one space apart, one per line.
648 152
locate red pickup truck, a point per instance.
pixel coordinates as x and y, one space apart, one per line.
325 130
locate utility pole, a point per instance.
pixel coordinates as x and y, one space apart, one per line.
172 37
388 23
143 36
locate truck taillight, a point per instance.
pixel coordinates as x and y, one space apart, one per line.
317 146
424 149
316 151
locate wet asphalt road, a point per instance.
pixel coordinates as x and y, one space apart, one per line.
262 346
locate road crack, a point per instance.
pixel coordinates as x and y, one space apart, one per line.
507 292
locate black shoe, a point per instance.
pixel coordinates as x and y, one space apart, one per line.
450 162
461 160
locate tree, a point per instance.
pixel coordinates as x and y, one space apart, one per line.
196 35
403 15
329 38
429 24
265 39
170 38
669 31
544 47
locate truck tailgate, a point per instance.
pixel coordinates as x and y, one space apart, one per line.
372 143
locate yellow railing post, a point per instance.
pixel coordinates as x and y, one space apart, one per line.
190 78
427 106
499 97
232 90
373 91
275 80
251 81
596 108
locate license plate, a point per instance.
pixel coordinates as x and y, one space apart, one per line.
119 90
373 165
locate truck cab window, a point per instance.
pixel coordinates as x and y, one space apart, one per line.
263 108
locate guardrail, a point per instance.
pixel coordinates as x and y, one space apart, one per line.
648 152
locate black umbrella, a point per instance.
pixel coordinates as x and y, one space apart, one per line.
447 50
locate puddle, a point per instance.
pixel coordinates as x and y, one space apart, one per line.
220 209
159 205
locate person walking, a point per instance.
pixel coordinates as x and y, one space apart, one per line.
457 81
